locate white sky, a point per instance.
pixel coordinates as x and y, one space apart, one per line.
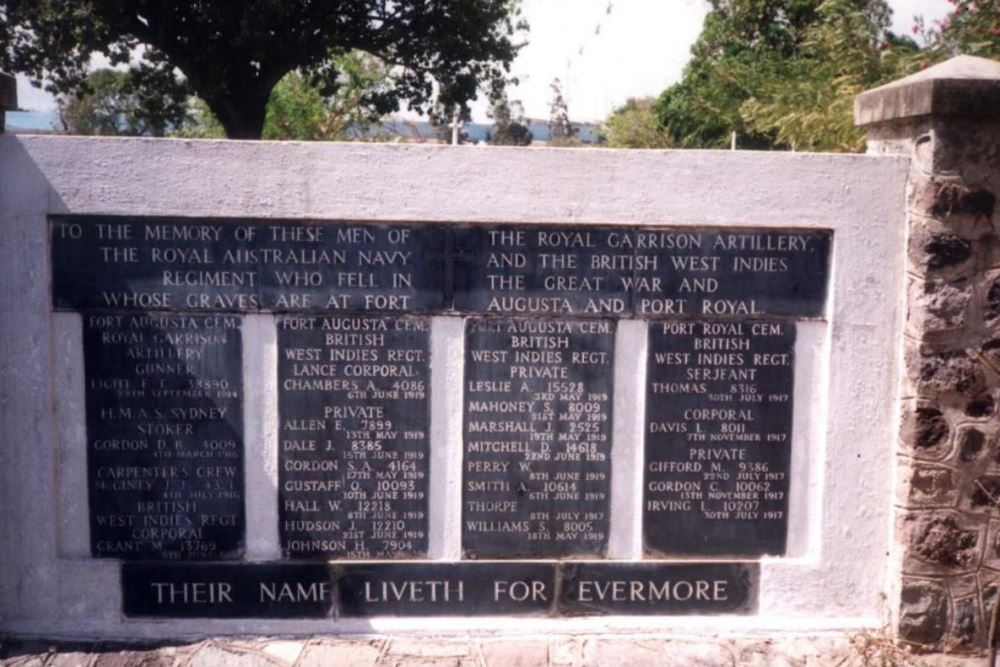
640 49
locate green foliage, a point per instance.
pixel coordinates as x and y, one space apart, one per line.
972 28
636 125
201 122
233 52
741 41
510 126
807 102
784 74
113 102
562 132
297 109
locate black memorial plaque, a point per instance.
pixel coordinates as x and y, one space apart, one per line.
350 267
353 450
536 473
658 588
242 265
446 589
707 273
153 264
621 271
248 265
543 270
222 590
164 435
481 588
718 437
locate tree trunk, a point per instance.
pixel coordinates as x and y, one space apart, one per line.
242 117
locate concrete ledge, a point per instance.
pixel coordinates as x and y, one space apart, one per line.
963 86
530 651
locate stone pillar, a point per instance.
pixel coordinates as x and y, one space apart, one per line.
946 564
8 97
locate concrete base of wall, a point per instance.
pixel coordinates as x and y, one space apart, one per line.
861 648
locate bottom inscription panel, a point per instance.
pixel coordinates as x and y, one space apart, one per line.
481 588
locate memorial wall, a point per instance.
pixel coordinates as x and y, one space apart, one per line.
163 302
270 388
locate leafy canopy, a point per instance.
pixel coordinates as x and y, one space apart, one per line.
114 103
739 38
807 103
636 125
233 52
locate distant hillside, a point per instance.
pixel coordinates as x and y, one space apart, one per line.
48 121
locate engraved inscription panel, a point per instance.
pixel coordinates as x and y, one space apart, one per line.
216 264
718 437
314 267
483 588
726 273
446 589
227 590
164 400
536 468
645 272
353 440
659 588
543 270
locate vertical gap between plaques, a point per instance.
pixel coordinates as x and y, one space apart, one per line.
808 420
260 436
447 400
71 422
625 540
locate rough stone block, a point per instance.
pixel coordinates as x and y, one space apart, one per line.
941 254
698 654
923 615
625 652
515 653
944 373
991 549
967 630
151 658
928 485
285 651
937 306
981 493
341 653
211 655
925 431
941 542
433 649
972 442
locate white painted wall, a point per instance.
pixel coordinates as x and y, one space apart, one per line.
835 573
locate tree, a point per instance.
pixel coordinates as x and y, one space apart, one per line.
510 126
972 28
807 103
636 125
113 102
740 41
562 132
233 52
298 110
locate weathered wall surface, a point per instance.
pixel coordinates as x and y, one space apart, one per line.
947 559
835 575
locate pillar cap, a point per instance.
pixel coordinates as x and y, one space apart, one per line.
8 92
962 86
